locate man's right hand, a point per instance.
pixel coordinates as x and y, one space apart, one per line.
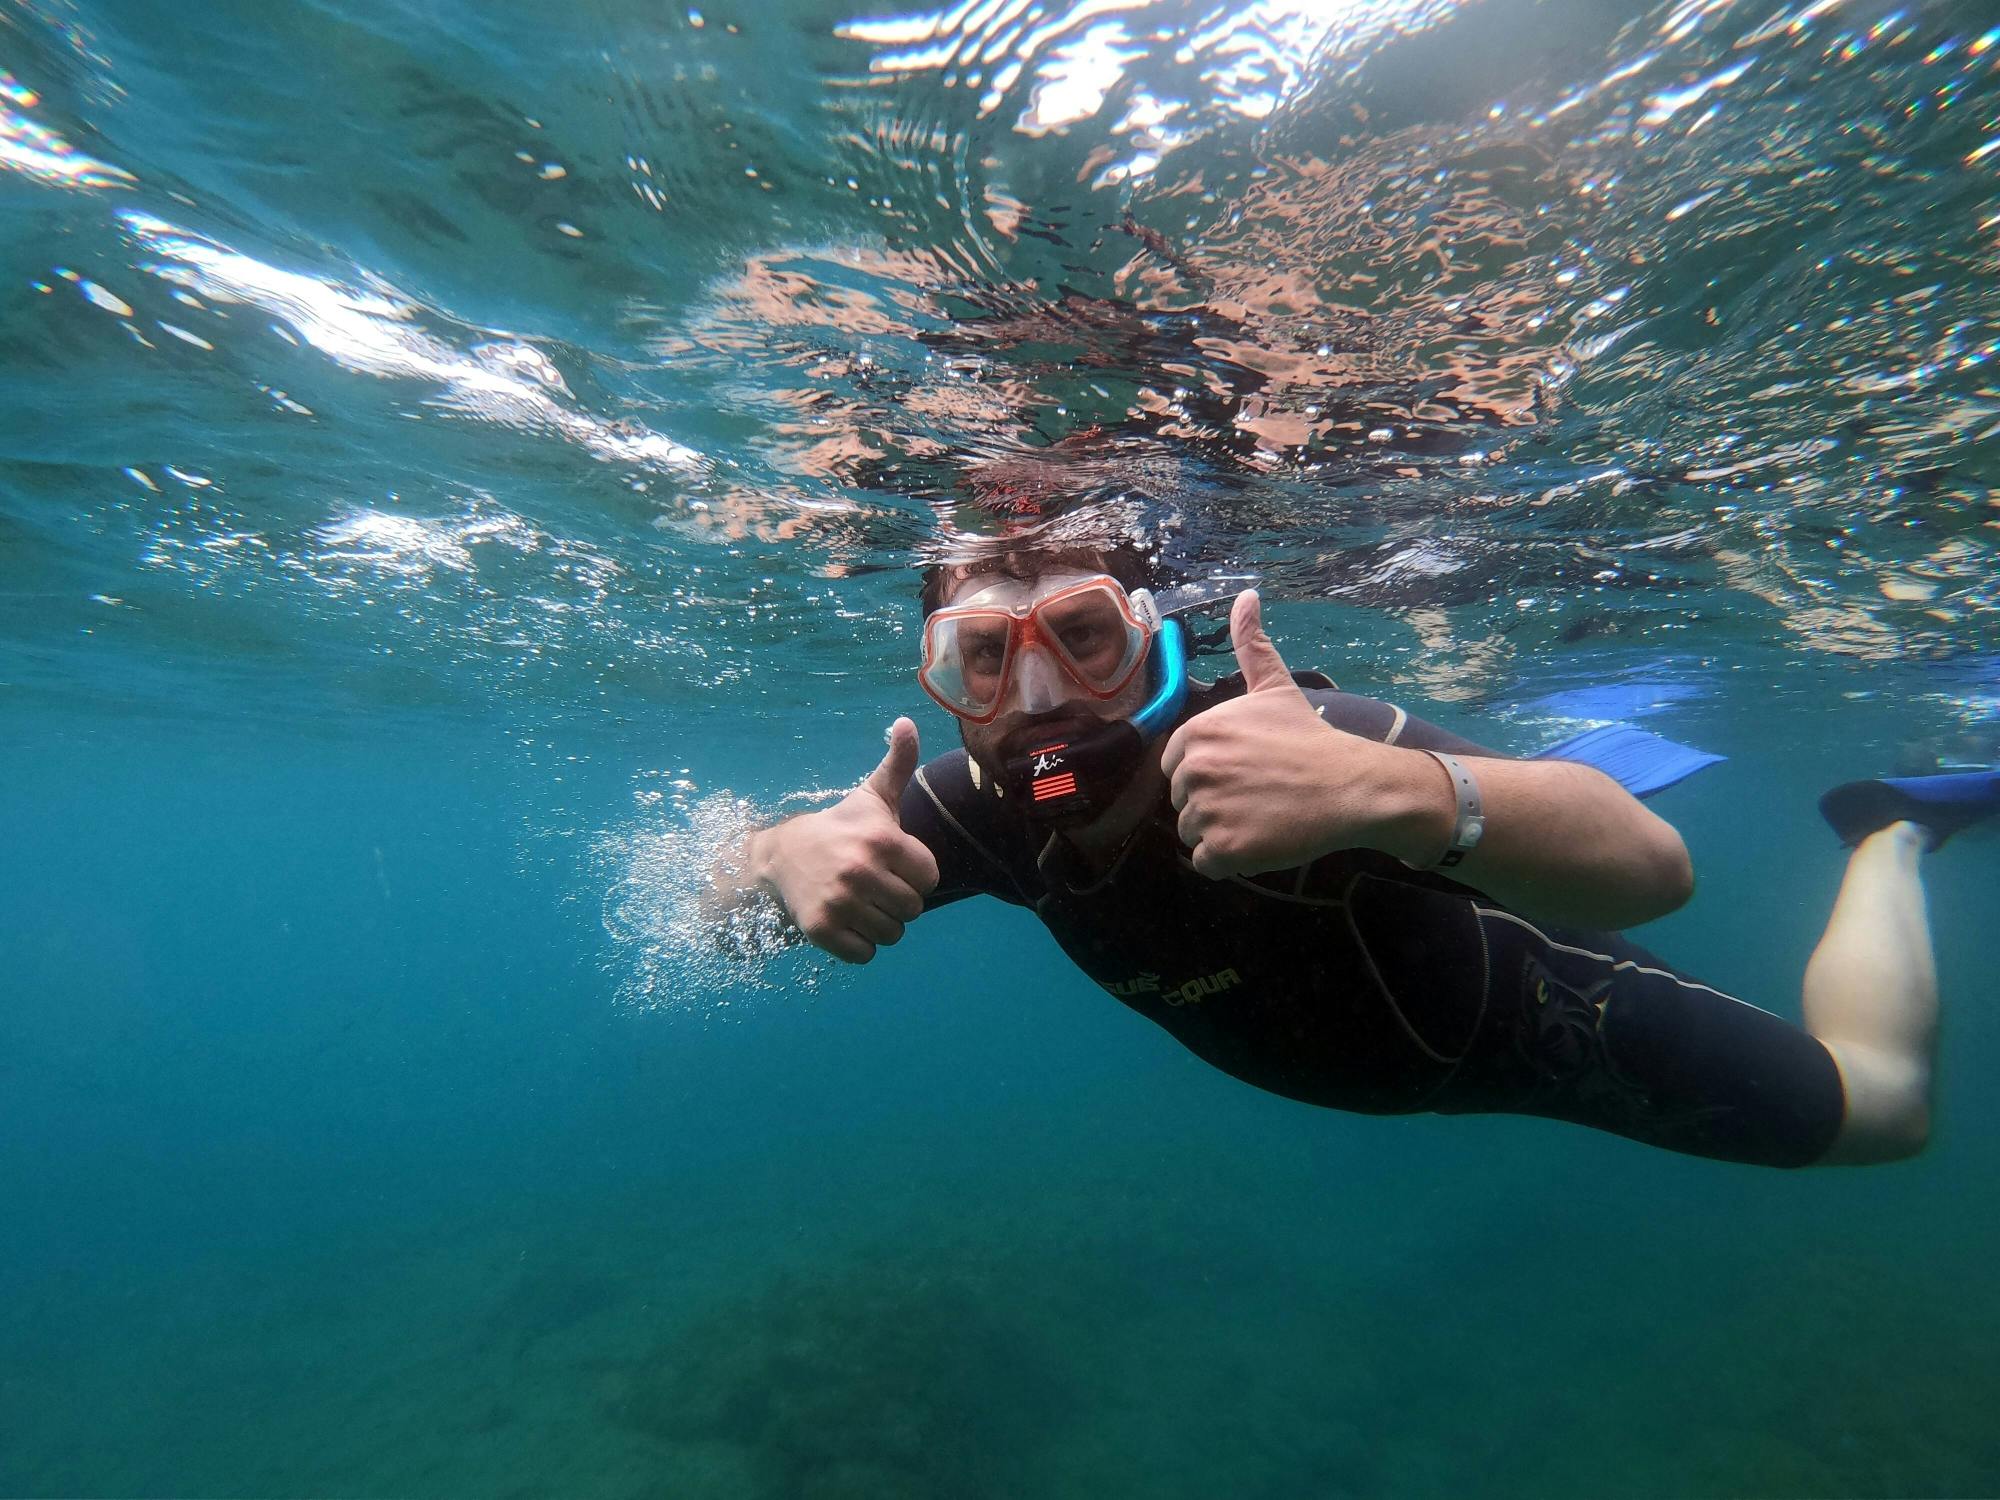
849 877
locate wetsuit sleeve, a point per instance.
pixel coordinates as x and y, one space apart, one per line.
1375 720
944 811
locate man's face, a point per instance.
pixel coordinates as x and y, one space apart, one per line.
1042 702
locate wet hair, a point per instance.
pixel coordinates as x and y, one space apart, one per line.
1025 562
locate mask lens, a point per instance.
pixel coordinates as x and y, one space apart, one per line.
1094 633
966 659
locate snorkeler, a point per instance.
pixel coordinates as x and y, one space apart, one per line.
1340 903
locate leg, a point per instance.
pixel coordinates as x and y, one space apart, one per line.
1871 999
1590 1028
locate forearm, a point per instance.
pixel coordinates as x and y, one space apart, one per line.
1564 843
741 902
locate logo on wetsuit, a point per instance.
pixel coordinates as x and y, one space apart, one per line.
1191 993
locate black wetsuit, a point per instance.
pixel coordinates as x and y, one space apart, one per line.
1358 983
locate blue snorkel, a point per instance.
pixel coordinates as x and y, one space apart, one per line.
1169 667
1069 780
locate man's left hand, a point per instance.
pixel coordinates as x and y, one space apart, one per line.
1261 782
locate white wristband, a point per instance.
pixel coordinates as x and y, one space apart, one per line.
1469 820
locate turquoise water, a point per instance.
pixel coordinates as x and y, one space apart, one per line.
449 455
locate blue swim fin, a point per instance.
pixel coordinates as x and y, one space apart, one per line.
1941 805
1637 759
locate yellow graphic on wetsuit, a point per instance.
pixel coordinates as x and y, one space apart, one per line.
1191 993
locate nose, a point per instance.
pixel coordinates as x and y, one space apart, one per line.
1039 686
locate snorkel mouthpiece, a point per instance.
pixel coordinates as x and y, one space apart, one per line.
1074 778
1066 781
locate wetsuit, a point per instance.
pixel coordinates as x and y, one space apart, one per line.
1358 983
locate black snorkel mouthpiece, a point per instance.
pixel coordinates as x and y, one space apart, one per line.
1069 780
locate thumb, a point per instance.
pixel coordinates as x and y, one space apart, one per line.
1263 668
889 779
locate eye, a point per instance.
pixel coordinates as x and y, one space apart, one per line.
1082 639
1088 629
984 650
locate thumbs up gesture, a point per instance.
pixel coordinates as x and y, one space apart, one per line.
850 878
1261 782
